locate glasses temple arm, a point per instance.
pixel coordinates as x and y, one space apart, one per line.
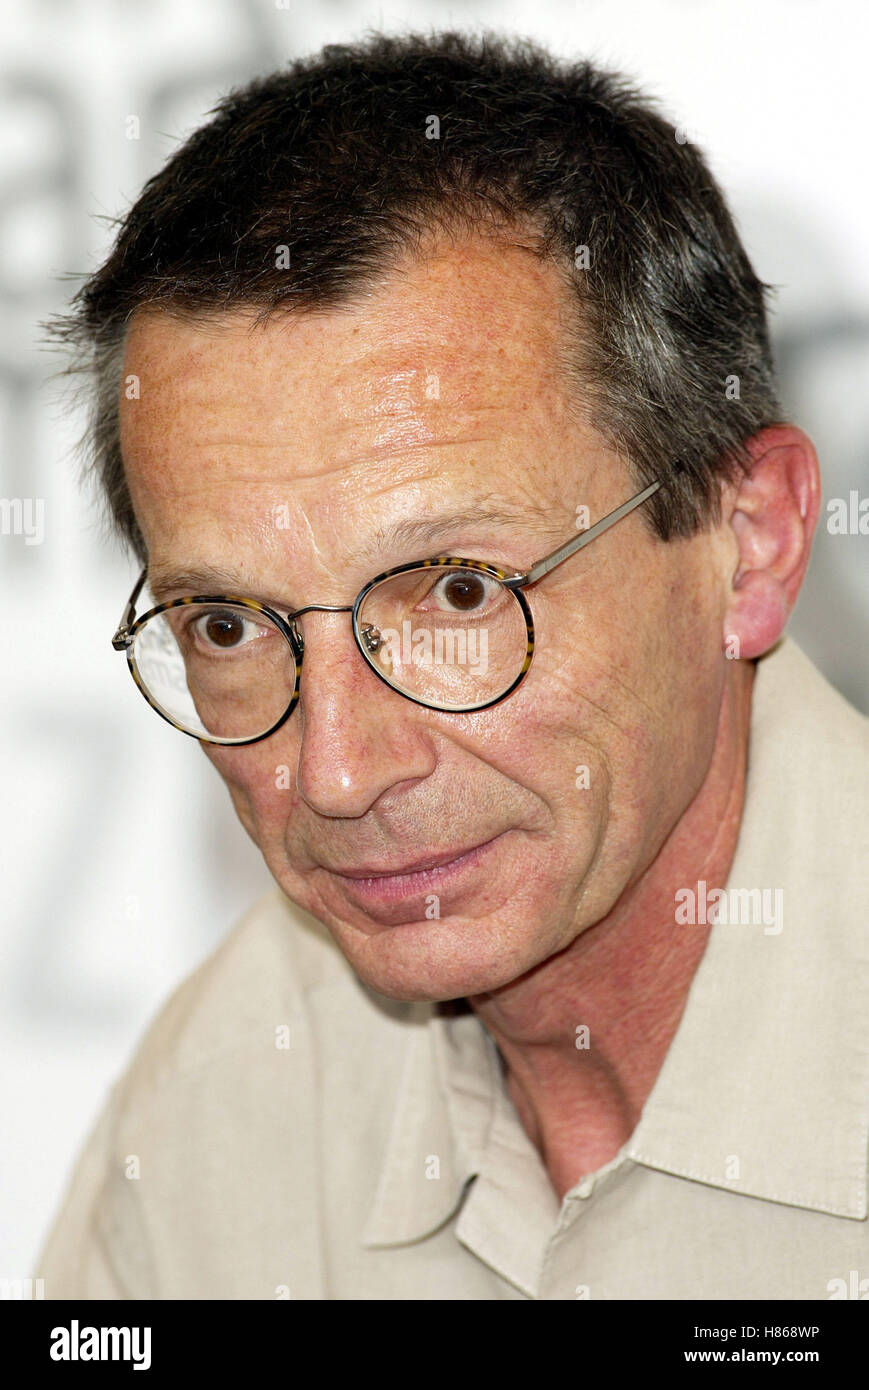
563 552
120 638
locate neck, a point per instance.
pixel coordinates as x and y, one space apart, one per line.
626 980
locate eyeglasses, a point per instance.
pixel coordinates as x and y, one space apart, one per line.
450 634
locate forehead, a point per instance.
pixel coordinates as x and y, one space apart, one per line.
478 310
434 379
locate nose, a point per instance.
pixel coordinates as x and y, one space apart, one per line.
358 739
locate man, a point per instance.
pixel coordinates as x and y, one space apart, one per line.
561 993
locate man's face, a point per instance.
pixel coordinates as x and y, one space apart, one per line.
286 456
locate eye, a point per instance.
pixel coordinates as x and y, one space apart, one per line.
465 591
224 630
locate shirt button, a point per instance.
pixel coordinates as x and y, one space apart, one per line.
585 1187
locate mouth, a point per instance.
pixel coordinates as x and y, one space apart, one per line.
430 874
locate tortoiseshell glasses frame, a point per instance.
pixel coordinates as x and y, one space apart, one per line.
515 583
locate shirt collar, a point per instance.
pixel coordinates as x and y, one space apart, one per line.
764 1088
443 1114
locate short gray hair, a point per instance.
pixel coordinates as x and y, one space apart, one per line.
330 158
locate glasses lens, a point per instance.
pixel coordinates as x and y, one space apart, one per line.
452 637
220 671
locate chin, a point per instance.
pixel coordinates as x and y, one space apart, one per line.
434 961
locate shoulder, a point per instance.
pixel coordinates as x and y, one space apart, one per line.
277 969
203 1170
790 683
805 719
807 802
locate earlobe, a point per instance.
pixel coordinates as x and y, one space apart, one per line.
772 517
757 615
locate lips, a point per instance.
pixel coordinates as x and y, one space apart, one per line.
419 866
387 895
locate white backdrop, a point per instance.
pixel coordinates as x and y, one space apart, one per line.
123 863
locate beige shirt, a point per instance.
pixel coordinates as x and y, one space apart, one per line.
284 1131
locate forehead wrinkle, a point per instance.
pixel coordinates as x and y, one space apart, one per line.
376 384
346 472
468 391
374 398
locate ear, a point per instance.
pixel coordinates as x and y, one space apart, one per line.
772 512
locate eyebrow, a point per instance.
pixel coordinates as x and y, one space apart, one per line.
502 515
418 532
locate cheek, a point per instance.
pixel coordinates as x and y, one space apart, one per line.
261 786
597 724
552 743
